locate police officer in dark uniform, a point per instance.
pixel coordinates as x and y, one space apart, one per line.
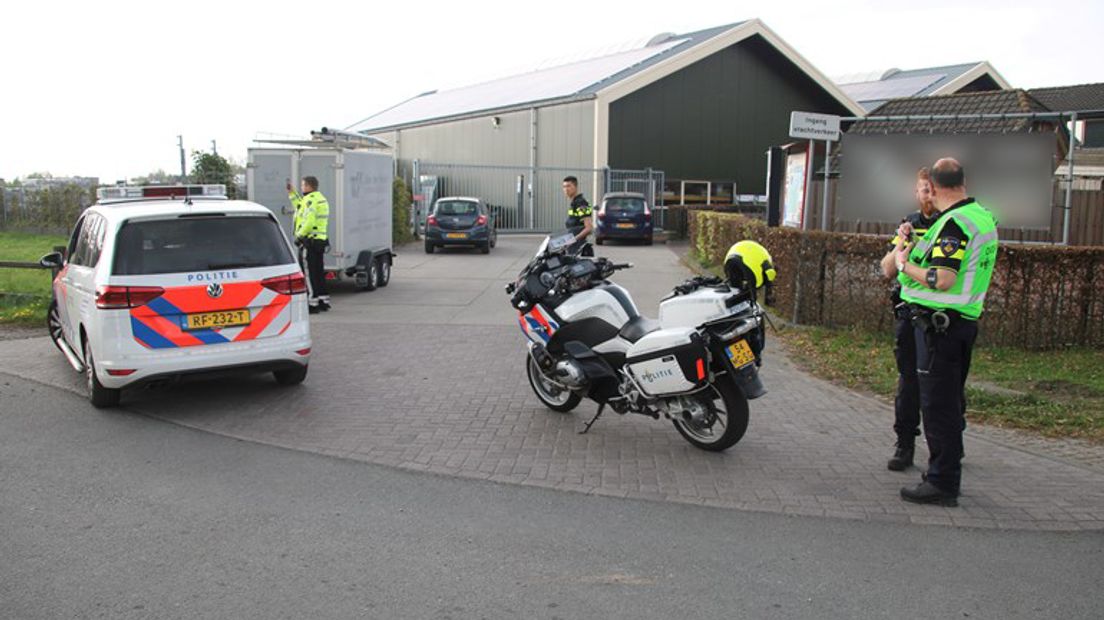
944 279
906 406
580 217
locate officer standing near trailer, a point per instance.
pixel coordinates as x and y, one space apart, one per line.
944 279
312 216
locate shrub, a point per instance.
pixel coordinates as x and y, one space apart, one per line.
1041 296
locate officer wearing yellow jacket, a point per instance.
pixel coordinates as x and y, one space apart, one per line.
312 215
944 279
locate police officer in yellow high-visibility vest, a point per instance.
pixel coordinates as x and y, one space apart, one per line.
312 216
944 278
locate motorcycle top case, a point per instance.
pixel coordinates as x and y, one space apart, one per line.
700 307
668 362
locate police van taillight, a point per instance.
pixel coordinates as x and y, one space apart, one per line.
123 297
294 284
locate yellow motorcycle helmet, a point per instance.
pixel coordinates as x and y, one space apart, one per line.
748 264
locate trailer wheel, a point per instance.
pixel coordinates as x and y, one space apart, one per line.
384 270
364 278
373 276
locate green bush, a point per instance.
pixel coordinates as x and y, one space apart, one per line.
401 230
1041 297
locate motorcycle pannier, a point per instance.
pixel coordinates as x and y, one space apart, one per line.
669 361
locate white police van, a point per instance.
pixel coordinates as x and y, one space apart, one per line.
164 281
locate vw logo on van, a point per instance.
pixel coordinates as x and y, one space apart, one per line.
214 290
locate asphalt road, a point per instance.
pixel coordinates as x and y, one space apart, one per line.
117 515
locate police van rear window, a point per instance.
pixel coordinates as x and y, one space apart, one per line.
198 244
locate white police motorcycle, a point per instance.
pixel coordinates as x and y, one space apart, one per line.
697 365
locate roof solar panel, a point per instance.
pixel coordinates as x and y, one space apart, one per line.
552 83
891 89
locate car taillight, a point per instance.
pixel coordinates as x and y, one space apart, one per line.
292 284
481 220
431 220
121 372
123 297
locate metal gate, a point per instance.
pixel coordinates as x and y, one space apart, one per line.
525 199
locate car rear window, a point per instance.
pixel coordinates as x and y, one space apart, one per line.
625 206
199 244
459 207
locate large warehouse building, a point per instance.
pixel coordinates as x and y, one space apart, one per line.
698 110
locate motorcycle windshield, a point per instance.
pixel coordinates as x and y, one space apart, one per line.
560 242
542 247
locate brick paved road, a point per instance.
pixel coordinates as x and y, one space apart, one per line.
427 375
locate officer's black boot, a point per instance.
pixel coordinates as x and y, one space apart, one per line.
928 493
902 456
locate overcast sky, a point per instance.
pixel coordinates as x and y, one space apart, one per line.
103 88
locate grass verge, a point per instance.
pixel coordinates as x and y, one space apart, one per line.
25 293
1053 393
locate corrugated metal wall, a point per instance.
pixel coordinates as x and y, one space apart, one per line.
474 157
565 138
565 135
715 119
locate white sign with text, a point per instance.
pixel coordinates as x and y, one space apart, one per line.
812 126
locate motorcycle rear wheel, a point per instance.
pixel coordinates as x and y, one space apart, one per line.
550 395
732 416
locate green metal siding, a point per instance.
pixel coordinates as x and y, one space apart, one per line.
715 119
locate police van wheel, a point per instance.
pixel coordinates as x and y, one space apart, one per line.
384 271
100 396
292 376
53 323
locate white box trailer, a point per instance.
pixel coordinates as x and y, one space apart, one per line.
357 184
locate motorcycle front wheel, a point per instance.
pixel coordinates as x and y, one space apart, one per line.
551 395
728 416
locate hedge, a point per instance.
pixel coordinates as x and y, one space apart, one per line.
1041 297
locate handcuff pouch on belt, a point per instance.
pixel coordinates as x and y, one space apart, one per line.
930 321
933 323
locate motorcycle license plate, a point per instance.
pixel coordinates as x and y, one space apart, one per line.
208 320
740 354
457 235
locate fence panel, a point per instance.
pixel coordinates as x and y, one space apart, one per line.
528 199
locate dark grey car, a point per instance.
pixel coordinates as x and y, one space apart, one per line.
459 221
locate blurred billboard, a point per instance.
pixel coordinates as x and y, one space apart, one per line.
1010 174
